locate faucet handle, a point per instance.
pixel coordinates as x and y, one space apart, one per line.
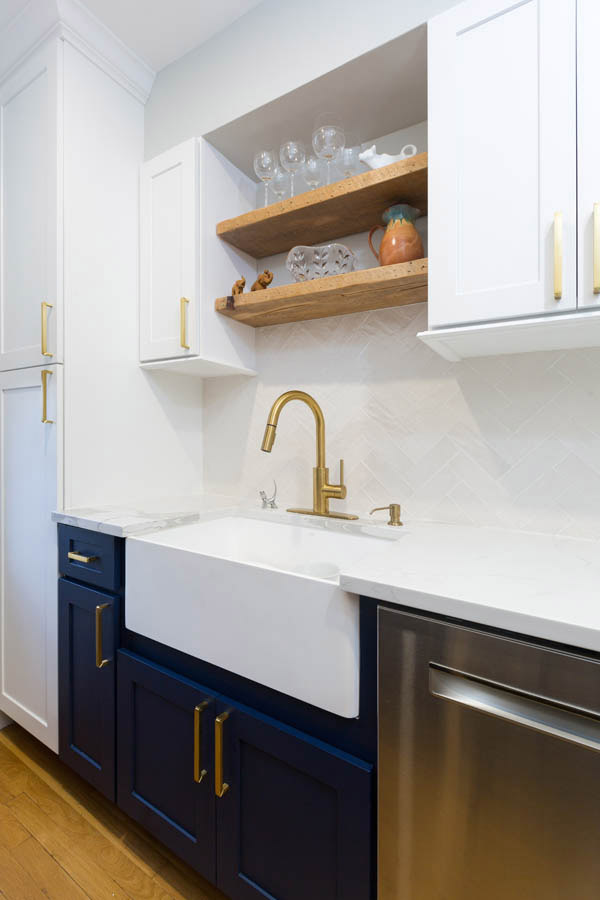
341 471
394 509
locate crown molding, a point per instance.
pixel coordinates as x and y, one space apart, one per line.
69 20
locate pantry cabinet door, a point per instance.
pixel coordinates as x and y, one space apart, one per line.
29 205
168 249
588 150
502 160
29 492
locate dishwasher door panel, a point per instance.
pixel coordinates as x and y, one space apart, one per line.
489 766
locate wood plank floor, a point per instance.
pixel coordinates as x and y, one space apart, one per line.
60 839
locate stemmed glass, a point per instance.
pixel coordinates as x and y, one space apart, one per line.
280 183
265 166
348 162
292 155
328 139
313 172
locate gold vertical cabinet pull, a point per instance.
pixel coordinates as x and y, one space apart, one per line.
199 772
45 308
182 323
221 787
558 255
45 419
100 662
597 248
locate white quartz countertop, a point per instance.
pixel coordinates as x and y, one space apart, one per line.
538 585
143 517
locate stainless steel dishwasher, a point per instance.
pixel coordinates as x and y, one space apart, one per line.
489 766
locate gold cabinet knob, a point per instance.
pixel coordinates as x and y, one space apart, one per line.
394 509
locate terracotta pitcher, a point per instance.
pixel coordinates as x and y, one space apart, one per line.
401 241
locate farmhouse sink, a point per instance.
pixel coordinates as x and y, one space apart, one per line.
259 598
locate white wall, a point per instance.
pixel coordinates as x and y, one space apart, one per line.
275 48
129 434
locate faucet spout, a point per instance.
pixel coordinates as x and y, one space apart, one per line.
323 491
272 421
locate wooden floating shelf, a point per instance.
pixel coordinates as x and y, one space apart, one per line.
339 295
346 207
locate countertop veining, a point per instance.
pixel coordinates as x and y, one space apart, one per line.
143 517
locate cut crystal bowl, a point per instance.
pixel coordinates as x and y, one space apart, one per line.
306 263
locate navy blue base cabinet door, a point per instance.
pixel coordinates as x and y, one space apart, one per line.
296 820
165 759
88 628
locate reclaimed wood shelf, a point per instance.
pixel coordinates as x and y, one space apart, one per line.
339 295
333 211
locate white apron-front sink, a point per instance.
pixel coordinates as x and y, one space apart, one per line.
258 598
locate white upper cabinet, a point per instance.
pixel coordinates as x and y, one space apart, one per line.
184 192
30 486
502 160
29 190
168 240
588 151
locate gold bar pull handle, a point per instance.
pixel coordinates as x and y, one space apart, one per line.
100 662
199 772
45 419
597 248
221 787
183 302
79 557
45 308
558 255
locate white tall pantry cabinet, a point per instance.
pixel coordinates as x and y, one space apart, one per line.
31 245
76 94
30 485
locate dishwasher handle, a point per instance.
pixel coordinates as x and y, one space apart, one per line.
551 717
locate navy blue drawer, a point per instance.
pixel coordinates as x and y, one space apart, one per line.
91 557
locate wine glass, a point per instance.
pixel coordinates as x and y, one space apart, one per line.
328 139
280 184
348 161
265 166
313 172
292 155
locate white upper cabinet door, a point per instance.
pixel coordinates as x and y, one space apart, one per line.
29 206
30 491
502 160
588 151
168 253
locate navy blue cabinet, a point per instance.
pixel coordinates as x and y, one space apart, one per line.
88 629
165 759
258 808
296 818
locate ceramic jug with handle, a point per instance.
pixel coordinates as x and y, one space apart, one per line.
401 241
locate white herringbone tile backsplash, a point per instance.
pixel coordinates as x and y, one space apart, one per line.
511 441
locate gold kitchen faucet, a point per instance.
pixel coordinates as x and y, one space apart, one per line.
323 492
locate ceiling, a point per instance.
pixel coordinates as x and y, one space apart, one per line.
159 31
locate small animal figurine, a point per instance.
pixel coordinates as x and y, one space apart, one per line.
263 281
238 287
376 160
